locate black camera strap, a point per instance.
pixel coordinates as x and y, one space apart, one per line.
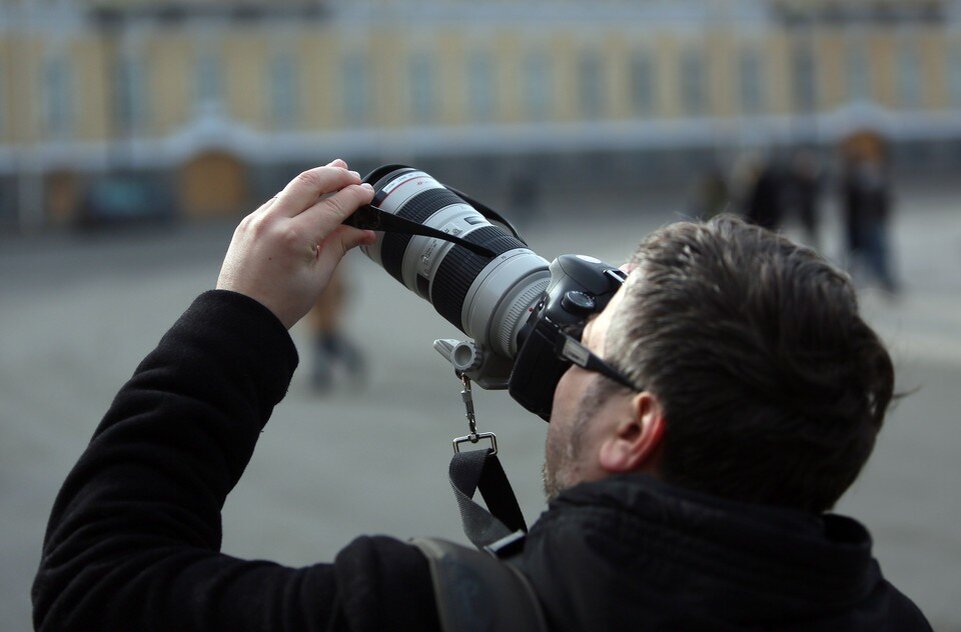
502 522
370 217
488 213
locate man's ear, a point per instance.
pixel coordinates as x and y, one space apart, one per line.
636 439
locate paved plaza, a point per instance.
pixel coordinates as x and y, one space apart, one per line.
77 314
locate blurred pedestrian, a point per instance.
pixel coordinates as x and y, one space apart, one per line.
765 204
805 193
712 195
331 347
525 196
867 201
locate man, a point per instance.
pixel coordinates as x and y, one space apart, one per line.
694 500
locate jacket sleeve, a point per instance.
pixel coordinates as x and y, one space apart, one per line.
134 536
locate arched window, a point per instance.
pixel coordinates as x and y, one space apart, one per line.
537 80
693 83
590 82
910 90
208 80
356 89
422 88
857 70
750 76
481 86
642 84
58 97
131 94
284 91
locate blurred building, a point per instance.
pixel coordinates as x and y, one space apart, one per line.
215 102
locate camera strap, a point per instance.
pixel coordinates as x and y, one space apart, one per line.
370 217
501 525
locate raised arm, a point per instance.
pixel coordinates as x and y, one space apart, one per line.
134 536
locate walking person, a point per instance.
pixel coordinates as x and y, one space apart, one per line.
333 349
867 203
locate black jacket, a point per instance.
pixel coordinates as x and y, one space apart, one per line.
134 536
663 558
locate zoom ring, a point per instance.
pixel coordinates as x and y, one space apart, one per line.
417 209
460 267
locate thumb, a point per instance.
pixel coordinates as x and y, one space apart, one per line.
336 245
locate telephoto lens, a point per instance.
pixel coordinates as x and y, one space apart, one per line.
486 297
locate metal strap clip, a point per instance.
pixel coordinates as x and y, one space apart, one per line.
474 436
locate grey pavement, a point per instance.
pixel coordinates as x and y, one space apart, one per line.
78 313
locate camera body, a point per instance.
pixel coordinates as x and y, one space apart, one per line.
580 287
509 302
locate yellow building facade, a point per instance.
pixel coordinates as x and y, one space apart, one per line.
89 87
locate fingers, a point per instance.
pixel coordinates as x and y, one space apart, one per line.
266 205
303 191
324 216
337 243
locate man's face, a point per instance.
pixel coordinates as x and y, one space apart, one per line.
577 415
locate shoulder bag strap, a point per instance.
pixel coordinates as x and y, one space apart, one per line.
476 592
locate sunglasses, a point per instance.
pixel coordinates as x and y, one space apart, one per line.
571 350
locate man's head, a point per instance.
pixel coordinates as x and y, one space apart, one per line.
762 383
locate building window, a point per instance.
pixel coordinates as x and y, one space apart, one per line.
591 85
356 89
480 87
4 106
693 83
59 98
750 76
422 88
954 74
858 71
909 75
284 92
208 87
642 84
803 83
131 95
537 80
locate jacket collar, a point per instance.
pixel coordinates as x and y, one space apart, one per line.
751 560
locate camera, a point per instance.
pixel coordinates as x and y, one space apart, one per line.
478 273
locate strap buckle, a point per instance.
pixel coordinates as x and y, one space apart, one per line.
475 437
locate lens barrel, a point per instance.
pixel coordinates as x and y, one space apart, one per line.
486 298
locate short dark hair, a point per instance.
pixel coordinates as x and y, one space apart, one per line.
772 385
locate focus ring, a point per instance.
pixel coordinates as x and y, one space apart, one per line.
517 311
416 209
460 267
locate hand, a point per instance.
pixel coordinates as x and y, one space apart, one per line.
284 253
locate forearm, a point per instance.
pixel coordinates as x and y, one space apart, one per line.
134 536
140 512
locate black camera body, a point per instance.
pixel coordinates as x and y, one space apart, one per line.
580 287
478 273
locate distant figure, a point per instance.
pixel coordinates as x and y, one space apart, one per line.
524 197
331 346
866 201
712 195
742 176
806 193
766 200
